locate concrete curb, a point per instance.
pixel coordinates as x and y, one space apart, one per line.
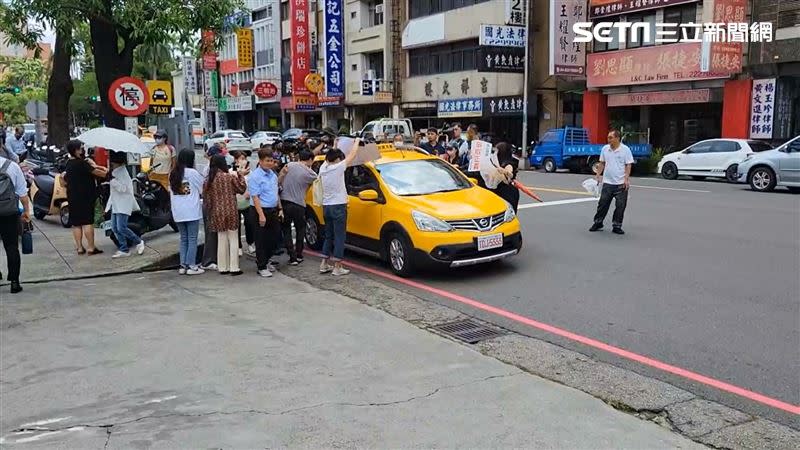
703 421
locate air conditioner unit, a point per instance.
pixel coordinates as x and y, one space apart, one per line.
379 9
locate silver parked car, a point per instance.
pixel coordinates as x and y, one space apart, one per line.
777 167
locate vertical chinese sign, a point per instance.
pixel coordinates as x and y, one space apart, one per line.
762 106
244 47
189 75
334 51
301 47
209 51
726 57
566 56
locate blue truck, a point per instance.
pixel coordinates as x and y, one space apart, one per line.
569 148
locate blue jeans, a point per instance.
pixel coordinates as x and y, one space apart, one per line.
188 245
335 217
124 235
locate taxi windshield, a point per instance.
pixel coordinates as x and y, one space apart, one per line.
422 176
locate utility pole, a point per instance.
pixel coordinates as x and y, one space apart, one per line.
524 162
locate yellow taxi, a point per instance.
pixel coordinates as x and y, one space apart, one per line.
414 210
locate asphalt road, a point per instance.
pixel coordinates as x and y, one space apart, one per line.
705 279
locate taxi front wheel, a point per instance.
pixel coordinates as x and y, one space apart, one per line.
399 253
314 236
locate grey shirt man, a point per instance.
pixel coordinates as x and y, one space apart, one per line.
296 182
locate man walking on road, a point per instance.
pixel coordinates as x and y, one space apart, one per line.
13 190
616 161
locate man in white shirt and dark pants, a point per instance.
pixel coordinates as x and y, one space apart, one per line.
616 161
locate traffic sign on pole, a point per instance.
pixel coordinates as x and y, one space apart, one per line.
128 96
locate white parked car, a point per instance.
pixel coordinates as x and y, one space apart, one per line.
233 140
777 167
264 137
717 158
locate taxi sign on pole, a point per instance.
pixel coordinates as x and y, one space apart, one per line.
128 96
161 99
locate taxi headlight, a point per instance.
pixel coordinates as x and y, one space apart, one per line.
510 214
426 222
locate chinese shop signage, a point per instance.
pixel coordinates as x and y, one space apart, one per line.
647 65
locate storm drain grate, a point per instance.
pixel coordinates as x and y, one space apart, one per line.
468 331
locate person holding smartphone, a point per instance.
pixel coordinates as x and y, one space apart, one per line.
241 164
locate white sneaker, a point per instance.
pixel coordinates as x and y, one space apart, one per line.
240 252
195 271
211 266
140 247
182 271
339 271
251 249
265 273
325 267
121 254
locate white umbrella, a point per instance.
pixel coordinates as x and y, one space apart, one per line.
114 139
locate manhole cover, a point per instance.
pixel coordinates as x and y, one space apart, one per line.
468 331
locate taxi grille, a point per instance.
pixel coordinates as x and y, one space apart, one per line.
480 224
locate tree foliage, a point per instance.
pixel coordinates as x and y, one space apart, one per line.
24 72
13 105
118 27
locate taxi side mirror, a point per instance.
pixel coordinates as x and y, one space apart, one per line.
474 181
369 195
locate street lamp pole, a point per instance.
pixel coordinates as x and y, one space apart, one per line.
524 161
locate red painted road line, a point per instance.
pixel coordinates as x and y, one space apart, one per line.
721 385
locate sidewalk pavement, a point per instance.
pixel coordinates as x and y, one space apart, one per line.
159 360
54 256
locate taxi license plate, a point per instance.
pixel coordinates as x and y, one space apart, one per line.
490 242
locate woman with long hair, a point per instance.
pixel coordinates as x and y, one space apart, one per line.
185 187
220 193
508 166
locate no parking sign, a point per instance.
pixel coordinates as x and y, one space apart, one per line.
128 96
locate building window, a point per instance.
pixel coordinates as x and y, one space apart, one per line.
285 11
455 57
636 38
422 8
262 14
375 62
678 15
375 13
354 67
598 46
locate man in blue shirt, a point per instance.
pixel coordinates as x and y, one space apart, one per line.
433 146
12 179
16 143
265 210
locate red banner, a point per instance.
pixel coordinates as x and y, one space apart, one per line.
208 50
647 65
727 56
301 46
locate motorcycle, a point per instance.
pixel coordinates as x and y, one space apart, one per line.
49 192
154 207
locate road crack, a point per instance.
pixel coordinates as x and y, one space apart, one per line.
109 426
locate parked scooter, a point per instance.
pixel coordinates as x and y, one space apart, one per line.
49 193
154 207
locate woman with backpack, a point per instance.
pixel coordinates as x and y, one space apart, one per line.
220 193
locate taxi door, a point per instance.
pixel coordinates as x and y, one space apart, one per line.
363 217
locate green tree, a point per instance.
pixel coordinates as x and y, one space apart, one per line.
25 72
13 105
83 110
117 28
154 61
